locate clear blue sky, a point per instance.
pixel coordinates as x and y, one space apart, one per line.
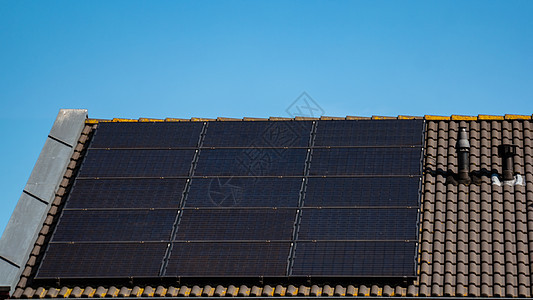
187 59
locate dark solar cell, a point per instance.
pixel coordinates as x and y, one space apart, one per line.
236 224
366 161
147 135
369 133
102 260
359 224
239 259
136 163
126 193
355 259
258 134
251 162
244 192
362 191
114 225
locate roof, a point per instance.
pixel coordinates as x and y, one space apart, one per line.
475 240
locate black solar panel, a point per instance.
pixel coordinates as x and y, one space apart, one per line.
115 225
147 135
366 161
247 199
244 192
251 162
236 224
136 163
362 259
359 224
369 133
362 191
126 193
258 134
110 260
241 259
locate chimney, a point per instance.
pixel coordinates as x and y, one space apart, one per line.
506 152
463 150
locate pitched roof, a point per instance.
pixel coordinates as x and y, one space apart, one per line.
475 240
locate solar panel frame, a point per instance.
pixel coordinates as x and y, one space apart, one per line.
126 193
366 161
362 191
355 259
334 133
127 225
228 259
101 260
352 224
258 134
251 162
128 163
236 224
149 135
244 192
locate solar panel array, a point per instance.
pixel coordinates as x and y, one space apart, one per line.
243 199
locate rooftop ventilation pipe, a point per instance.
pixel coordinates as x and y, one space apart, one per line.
463 150
506 152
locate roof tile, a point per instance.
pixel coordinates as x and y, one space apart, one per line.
489 117
357 118
315 291
100 292
220 291
463 118
517 117
76 292
340 290
256 291
279 290
124 292
327 290
363 291
196 291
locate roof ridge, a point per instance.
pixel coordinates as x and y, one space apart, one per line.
300 118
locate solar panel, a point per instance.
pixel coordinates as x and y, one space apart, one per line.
369 133
258 134
98 260
364 259
236 224
244 192
245 199
126 193
359 224
115 225
239 259
136 163
147 135
366 161
362 191
251 162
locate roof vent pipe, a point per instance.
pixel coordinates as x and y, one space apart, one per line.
506 152
463 150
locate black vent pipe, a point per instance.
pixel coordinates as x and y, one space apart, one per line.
506 152
463 150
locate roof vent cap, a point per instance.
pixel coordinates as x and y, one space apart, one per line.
463 149
506 152
463 143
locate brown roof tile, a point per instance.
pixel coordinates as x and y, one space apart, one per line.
220 291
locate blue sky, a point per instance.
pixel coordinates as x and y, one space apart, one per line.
185 59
